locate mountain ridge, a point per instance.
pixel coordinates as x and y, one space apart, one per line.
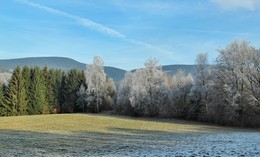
65 63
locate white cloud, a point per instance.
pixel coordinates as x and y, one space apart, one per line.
237 4
96 26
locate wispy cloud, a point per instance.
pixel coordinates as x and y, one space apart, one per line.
85 22
166 52
95 26
236 4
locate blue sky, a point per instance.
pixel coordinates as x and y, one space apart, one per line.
125 33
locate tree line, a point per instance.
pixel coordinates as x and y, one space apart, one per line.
226 92
35 90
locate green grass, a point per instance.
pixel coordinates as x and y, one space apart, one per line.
103 134
99 123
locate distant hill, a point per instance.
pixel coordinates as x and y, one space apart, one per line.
173 69
63 63
52 62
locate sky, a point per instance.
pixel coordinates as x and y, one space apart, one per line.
125 33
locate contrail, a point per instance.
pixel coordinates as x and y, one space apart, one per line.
96 26
85 22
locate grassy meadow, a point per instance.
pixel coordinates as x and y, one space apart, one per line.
107 135
99 123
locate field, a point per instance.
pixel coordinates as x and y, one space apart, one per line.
106 135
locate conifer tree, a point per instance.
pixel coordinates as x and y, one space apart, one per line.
62 92
72 85
53 85
3 108
46 88
16 94
82 78
26 74
38 103
49 77
51 90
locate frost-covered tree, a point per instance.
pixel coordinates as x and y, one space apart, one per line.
96 82
138 94
123 104
198 108
148 89
179 97
180 79
81 98
237 69
5 77
239 63
110 94
202 69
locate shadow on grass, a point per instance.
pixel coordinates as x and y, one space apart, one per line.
119 141
200 126
143 132
153 119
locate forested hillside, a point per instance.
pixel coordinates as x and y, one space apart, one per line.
66 64
52 62
61 63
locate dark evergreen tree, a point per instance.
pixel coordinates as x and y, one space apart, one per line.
46 88
16 94
37 91
57 78
72 84
62 92
82 79
26 74
48 77
1 93
3 107
50 89
37 103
